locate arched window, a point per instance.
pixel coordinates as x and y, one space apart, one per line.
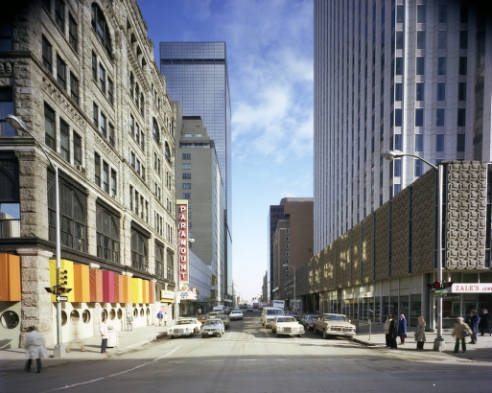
101 28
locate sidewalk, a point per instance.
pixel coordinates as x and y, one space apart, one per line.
481 351
14 358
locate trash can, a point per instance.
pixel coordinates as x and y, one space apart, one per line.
112 337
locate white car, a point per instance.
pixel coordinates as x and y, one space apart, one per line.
213 327
331 324
287 325
185 327
236 314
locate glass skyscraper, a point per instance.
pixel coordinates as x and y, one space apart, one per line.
196 76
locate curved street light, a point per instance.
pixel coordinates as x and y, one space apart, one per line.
18 124
391 155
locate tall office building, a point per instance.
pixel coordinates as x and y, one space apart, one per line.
414 76
197 77
198 180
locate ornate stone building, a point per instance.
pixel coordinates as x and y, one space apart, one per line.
82 78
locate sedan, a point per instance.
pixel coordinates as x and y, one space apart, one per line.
185 327
287 325
213 327
236 314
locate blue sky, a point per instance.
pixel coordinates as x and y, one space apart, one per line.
270 59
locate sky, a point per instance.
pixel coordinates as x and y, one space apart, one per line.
269 47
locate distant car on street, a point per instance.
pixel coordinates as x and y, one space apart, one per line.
185 327
236 314
268 314
331 324
213 327
287 325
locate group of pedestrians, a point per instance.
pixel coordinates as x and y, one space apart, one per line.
475 323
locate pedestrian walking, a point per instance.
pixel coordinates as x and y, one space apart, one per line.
104 335
402 328
393 332
460 331
76 339
386 328
473 321
160 317
35 348
420 333
485 324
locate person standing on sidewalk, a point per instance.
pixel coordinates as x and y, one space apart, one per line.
35 348
402 328
387 329
460 331
473 320
393 332
160 317
104 335
420 333
485 324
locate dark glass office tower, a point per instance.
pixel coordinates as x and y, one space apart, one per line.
196 76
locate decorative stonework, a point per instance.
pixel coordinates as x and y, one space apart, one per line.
466 215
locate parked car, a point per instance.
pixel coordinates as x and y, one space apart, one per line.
236 314
184 327
268 314
213 327
287 325
330 324
225 319
307 320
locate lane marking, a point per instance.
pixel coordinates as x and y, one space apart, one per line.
112 375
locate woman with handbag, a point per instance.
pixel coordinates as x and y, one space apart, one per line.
460 331
420 333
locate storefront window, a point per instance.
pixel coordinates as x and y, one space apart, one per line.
86 316
9 319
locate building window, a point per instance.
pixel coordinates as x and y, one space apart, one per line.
97 169
60 14
419 168
110 91
397 167
47 54
186 186
105 177
77 149
398 91
420 69
441 91
440 119
399 66
101 29
419 142
397 142
398 117
462 91
186 176
439 142
159 259
399 40
139 250
74 87
442 13
460 145
461 117
49 127
400 14
155 131
442 39
94 66
73 33
73 215
419 91
420 13
61 72
419 117
462 65
6 34
108 233
103 125
64 140
6 106
102 78
441 66
420 39
95 114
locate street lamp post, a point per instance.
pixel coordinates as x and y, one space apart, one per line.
294 271
391 155
18 124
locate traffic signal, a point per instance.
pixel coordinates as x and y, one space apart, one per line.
62 278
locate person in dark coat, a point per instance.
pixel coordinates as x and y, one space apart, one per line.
393 332
402 328
473 321
485 324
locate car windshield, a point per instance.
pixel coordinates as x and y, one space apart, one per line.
275 312
335 318
286 319
184 322
212 322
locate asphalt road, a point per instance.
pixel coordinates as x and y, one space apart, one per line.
248 358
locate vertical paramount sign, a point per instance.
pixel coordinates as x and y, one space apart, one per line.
183 250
